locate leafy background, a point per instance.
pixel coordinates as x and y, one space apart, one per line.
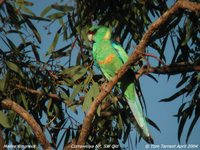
44 47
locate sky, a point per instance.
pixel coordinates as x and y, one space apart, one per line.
161 113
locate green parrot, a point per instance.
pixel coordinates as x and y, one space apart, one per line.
110 56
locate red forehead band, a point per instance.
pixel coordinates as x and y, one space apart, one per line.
91 32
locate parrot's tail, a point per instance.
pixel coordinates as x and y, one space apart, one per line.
136 109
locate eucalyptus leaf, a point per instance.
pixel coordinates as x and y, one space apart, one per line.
56 15
63 8
14 68
25 9
45 11
75 72
4 120
33 28
2 84
54 43
90 96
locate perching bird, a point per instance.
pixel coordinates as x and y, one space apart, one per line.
110 57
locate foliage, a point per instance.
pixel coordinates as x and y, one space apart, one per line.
74 81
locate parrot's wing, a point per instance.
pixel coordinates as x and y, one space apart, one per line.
121 52
94 49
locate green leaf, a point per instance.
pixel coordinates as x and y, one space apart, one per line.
63 8
188 28
22 3
10 44
14 68
120 122
91 94
32 27
99 111
77 89
36 18
56 15
88 79
64 96
53 44
28 11
75 72
25 103
64 48
71 70
22 46
2 84
49 107
35 52
45 11
83 32
57 110
61 53
4 120
79 74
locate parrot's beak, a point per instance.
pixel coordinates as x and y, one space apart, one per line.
90 37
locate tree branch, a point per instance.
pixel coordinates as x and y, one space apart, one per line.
132 59
168 69
39 93
9 104
193 6
54 96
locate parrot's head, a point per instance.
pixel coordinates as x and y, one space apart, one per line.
98 33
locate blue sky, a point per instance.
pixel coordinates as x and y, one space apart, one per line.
160 113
